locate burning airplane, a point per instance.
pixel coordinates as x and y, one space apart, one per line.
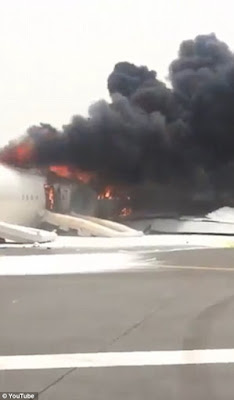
179 138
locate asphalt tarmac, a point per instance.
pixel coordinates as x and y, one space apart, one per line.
176 301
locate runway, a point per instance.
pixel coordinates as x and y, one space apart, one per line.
153 324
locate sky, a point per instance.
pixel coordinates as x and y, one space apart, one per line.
56 55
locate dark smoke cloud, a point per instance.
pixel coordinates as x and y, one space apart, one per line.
183 134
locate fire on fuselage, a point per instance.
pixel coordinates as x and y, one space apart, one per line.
50 197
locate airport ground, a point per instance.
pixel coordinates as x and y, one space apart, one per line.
176 301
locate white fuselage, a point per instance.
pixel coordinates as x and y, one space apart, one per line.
22 197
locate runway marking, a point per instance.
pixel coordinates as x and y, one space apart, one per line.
93 263
196 268
65 264
117 359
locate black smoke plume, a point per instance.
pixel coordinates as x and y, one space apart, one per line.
150 132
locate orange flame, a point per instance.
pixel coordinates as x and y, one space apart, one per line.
70 173
114 192
50 197
107 194
21 154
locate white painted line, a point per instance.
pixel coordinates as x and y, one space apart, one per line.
70 264
194 268
93 263
118 359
